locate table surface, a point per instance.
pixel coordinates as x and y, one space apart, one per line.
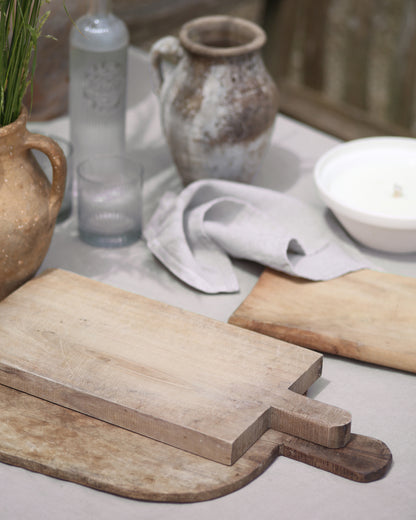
382 401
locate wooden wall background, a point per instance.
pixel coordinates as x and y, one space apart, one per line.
147 20
347 67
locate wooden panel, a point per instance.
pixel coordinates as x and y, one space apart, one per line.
403 69
315 42
74 447
338 119
50 84
365 315
279 23
152 19
355 60
192 382
358 47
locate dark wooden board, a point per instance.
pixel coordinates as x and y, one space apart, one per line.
49 439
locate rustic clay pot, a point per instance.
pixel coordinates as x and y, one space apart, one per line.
29 205
218 102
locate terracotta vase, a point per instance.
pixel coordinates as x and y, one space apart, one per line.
218 102
29 205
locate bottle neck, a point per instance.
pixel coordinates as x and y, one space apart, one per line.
100 6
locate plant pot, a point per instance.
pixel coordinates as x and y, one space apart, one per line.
218 102
29 204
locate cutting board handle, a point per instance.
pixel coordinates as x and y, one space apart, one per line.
311 420
363 459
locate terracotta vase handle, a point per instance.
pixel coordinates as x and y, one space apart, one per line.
57 158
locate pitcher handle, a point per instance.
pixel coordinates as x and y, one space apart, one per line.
58 161
167 50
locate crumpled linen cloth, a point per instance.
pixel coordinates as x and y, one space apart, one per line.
195 233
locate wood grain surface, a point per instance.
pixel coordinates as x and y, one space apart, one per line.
189 381
50 439
365 315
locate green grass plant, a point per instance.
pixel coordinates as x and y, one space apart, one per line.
21 25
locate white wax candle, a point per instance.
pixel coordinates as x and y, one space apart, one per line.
381 189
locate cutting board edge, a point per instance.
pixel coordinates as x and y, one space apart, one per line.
321 343
227 451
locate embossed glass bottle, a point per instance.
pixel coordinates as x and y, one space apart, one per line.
98 78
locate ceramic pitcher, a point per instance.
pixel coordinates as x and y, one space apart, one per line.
218 102
29 205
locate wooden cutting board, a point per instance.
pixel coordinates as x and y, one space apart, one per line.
197 384
49 439
365 315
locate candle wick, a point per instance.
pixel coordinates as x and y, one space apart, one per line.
397 191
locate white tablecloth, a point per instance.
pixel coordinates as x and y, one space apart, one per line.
382 401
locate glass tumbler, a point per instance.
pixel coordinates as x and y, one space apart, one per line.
109 200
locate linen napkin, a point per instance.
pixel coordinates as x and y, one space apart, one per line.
195 233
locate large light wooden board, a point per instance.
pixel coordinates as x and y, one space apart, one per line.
365 315
49 439
194 383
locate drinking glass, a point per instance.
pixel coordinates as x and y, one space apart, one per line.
109 200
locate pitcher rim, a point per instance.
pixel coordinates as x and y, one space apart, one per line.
254 44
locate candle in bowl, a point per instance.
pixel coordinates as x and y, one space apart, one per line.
370 185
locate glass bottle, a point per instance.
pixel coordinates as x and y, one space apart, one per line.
98 81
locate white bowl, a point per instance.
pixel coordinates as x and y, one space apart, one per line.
370 186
